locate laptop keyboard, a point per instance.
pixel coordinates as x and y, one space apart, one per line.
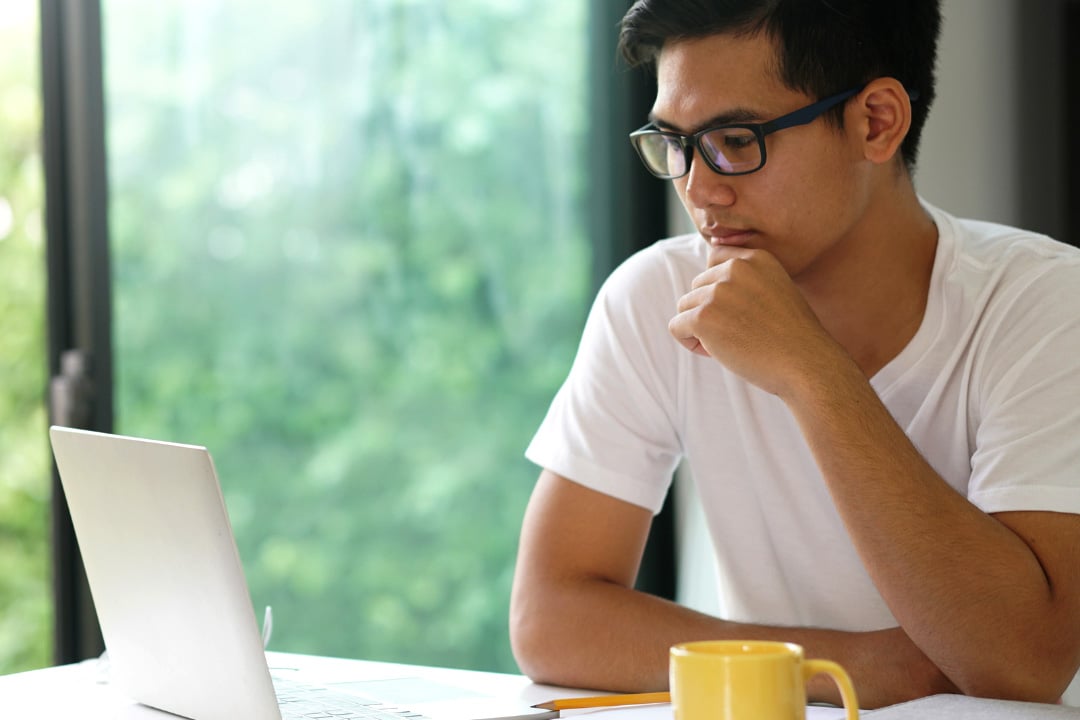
299 700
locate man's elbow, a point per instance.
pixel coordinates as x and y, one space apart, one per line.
1040 682
529 659
530 639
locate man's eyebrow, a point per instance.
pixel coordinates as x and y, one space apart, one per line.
736 115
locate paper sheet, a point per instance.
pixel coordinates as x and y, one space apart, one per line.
663 712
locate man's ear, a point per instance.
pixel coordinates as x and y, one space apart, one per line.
882 118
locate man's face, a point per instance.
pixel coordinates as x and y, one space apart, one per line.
810 194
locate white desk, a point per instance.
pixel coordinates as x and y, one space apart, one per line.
81 691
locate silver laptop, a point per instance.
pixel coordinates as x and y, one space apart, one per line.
173 603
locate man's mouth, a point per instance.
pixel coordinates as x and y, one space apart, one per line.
723 236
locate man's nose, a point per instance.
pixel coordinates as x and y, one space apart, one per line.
705 186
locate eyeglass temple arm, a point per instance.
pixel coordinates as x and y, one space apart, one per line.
810 112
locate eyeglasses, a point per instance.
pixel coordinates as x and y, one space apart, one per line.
735 149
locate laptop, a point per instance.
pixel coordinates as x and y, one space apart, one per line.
174 606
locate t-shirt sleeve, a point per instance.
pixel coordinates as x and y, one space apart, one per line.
611 426
1027 442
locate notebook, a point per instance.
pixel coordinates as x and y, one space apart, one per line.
948 707
174 606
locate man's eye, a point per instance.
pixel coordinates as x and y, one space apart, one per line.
739 142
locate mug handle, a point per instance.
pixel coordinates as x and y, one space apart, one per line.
840 677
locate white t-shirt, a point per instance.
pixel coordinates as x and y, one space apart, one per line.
988 390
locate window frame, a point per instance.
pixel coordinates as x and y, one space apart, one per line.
77 269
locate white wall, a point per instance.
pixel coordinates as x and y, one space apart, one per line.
968 161
992 147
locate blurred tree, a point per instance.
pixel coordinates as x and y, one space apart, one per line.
349 256
25 610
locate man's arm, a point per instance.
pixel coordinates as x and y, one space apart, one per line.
992 601
576 620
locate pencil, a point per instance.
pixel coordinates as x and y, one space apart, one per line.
605 701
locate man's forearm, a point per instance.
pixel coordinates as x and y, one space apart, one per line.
601 635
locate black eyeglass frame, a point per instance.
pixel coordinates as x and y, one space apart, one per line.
689 143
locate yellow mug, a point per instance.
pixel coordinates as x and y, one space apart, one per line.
748 680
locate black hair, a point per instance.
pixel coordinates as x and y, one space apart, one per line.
823 46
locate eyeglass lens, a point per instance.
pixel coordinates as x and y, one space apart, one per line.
727 150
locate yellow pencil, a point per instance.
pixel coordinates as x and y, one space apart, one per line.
605 701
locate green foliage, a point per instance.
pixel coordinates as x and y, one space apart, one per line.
349 256
25 614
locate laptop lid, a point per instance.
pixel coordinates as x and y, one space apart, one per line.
170 592
165 575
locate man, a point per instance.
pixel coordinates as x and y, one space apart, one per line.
879 403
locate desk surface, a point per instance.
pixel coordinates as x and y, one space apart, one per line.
82 691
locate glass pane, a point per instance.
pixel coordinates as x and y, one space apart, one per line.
25 595
350 256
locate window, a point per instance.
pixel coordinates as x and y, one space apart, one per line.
349 254
349 247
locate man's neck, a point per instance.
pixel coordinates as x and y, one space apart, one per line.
871 292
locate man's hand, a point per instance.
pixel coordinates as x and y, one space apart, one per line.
747 313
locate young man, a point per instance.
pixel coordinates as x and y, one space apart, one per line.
879 403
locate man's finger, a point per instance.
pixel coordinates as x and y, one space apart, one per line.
686 339
722 253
